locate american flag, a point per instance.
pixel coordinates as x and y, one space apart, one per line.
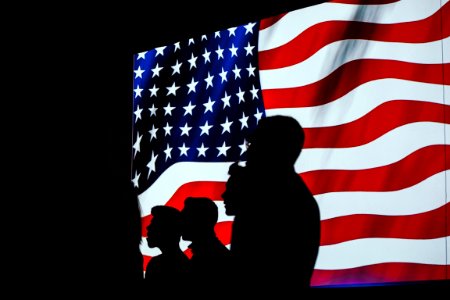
369 82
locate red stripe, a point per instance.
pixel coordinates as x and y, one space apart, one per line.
223 231
430 160
146 260
393 113
267 22
446 74
427 225
409 171
385 272
322 34
349 76
392 177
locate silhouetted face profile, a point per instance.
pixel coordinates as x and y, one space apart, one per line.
199 216
231 195
276 142
165 226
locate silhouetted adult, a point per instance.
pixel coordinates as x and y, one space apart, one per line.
276 230
211 260
166 273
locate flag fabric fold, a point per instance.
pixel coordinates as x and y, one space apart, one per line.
369 82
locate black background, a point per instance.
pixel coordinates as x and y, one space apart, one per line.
70 108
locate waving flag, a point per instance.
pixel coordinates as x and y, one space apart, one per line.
369 82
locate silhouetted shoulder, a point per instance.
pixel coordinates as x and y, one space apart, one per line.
276 228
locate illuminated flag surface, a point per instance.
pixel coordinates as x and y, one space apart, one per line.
368 81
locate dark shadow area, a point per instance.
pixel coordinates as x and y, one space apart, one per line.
75 217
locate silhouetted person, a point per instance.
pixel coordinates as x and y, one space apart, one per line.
211 260
166 273
276 230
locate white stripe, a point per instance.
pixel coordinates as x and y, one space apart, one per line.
369 251
447 133
362 100
177 175
334 55
297 21
448 250
387 149
223 217
422 197
145 250
447 92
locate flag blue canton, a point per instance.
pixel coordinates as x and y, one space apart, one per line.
195 100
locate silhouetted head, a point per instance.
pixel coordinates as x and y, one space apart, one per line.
276 142
165 226
199 216
232 196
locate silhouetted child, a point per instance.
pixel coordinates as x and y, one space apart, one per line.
166 273
211 259
276 230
